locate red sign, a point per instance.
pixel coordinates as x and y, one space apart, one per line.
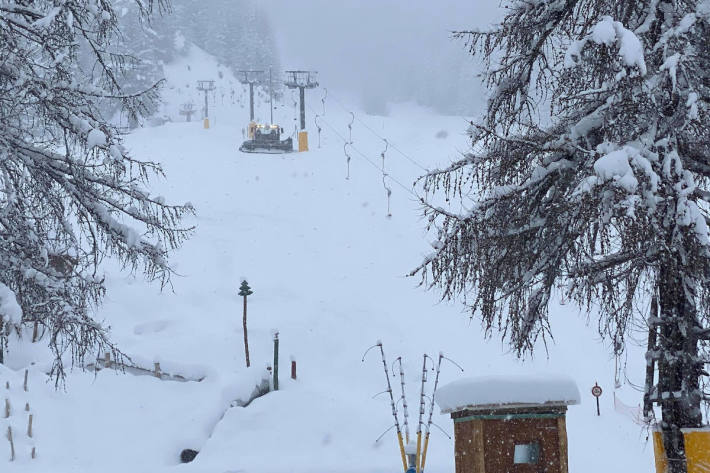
596 390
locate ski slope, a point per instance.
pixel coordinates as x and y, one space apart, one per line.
328 270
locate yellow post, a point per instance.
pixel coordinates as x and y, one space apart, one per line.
401 450
426 446
302 141
419 450
207 123
697 450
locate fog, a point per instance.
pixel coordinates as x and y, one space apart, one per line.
385 51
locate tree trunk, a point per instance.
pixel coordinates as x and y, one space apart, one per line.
2 342
246 340
679 368
651 359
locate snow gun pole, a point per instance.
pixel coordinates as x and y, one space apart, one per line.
431 407
431 410
404 400
421 413
394 408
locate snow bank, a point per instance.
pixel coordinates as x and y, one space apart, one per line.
9 308
502 390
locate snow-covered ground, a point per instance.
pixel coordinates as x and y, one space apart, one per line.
327 268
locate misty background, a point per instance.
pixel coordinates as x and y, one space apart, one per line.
386 51
371 53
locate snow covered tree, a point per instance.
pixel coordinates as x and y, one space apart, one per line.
237 32
150 42
588 176
70 193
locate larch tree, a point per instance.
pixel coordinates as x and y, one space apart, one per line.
70 193
588 177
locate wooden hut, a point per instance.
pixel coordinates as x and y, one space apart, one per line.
509 425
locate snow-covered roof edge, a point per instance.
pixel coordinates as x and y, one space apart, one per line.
507 391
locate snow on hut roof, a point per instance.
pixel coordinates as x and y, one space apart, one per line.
506 391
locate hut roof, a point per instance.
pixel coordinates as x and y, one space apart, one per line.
490 392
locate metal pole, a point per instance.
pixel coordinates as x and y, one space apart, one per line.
394 409
251 101
431 412
271 99
276 361
246 339
404 400
207 110
303 107
421 413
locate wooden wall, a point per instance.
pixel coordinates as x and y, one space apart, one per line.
487 445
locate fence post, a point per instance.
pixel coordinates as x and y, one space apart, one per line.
25 385
12 444
276 361
157 370
293 369
29 427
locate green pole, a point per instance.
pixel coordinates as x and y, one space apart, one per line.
276 361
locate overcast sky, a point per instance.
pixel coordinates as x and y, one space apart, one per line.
383 49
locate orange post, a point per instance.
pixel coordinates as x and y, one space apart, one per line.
302 141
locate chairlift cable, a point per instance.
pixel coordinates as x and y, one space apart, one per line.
388 190
366 158
347 159
372 130
325 95
315 120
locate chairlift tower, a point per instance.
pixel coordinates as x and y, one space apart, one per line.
206 86
187 109
251 78
302 80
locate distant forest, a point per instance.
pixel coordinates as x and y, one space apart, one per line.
236 32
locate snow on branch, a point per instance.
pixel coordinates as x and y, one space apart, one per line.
610 33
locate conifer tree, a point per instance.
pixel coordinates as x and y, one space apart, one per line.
588 175
70 192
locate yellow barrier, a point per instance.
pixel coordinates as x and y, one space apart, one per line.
659 452
302 141
697 450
